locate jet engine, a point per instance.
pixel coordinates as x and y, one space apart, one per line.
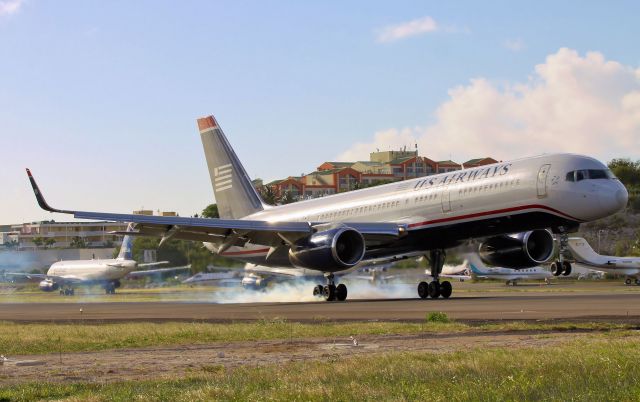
252 281
519 250
48 285
331 250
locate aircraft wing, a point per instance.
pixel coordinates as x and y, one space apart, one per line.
460 277
149 272
228 232
57 279
153 264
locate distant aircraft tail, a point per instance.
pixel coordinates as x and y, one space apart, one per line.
475 265
126 249
583 252
235 195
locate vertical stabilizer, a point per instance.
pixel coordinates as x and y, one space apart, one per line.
126 250
235 195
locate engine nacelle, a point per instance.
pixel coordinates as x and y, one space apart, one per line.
334 249
252 281
519 250
48 285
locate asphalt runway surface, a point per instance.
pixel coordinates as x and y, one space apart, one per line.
604 306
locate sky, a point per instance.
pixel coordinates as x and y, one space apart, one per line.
100 99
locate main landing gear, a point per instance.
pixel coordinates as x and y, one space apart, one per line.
331 292
561 266
629 280
67 292
110 287
435 288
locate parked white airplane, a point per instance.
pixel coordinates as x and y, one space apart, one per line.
583 253
509 205
509 275
64 275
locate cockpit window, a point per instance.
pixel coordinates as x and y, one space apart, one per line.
591 174
598 174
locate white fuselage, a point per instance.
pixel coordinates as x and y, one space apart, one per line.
509 274
505 189
92 270
584 254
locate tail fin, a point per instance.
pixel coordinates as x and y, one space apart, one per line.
583 252
235 195
126 250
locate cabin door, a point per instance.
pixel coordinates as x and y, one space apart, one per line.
542 180
446 200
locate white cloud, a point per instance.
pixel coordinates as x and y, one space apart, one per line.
515 45
8 7
404 30
571 103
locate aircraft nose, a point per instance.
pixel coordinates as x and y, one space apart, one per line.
615 200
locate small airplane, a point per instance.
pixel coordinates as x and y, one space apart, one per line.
512 207
65 275
509 275
584 254
255 277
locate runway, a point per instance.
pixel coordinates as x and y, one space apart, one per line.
610 306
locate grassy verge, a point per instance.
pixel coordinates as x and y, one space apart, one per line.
18 339
593 369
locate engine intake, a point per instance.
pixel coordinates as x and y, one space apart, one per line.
519 250
48 285
331 250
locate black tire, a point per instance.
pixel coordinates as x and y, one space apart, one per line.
434 289
556 268
446 289
637 281
341 292
330 292
423 290
627 281
318 290
566 268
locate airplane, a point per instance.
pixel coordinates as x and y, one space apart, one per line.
255 277
64 275
459 272
584 254
512 207
510 275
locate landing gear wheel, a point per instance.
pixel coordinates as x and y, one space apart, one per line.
423 290
434 289
446 289
627 281
566 268
556 268
341 292
330 292
318 290
637 281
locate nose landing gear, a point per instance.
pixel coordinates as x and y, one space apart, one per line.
561 266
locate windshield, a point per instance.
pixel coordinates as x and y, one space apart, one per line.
590 174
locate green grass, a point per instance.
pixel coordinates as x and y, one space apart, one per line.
19 339
588 369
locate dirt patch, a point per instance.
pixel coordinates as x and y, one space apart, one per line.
174 362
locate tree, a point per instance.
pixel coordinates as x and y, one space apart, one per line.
211 211
268 195
626 170
49 242
11 244
78 242
38 241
